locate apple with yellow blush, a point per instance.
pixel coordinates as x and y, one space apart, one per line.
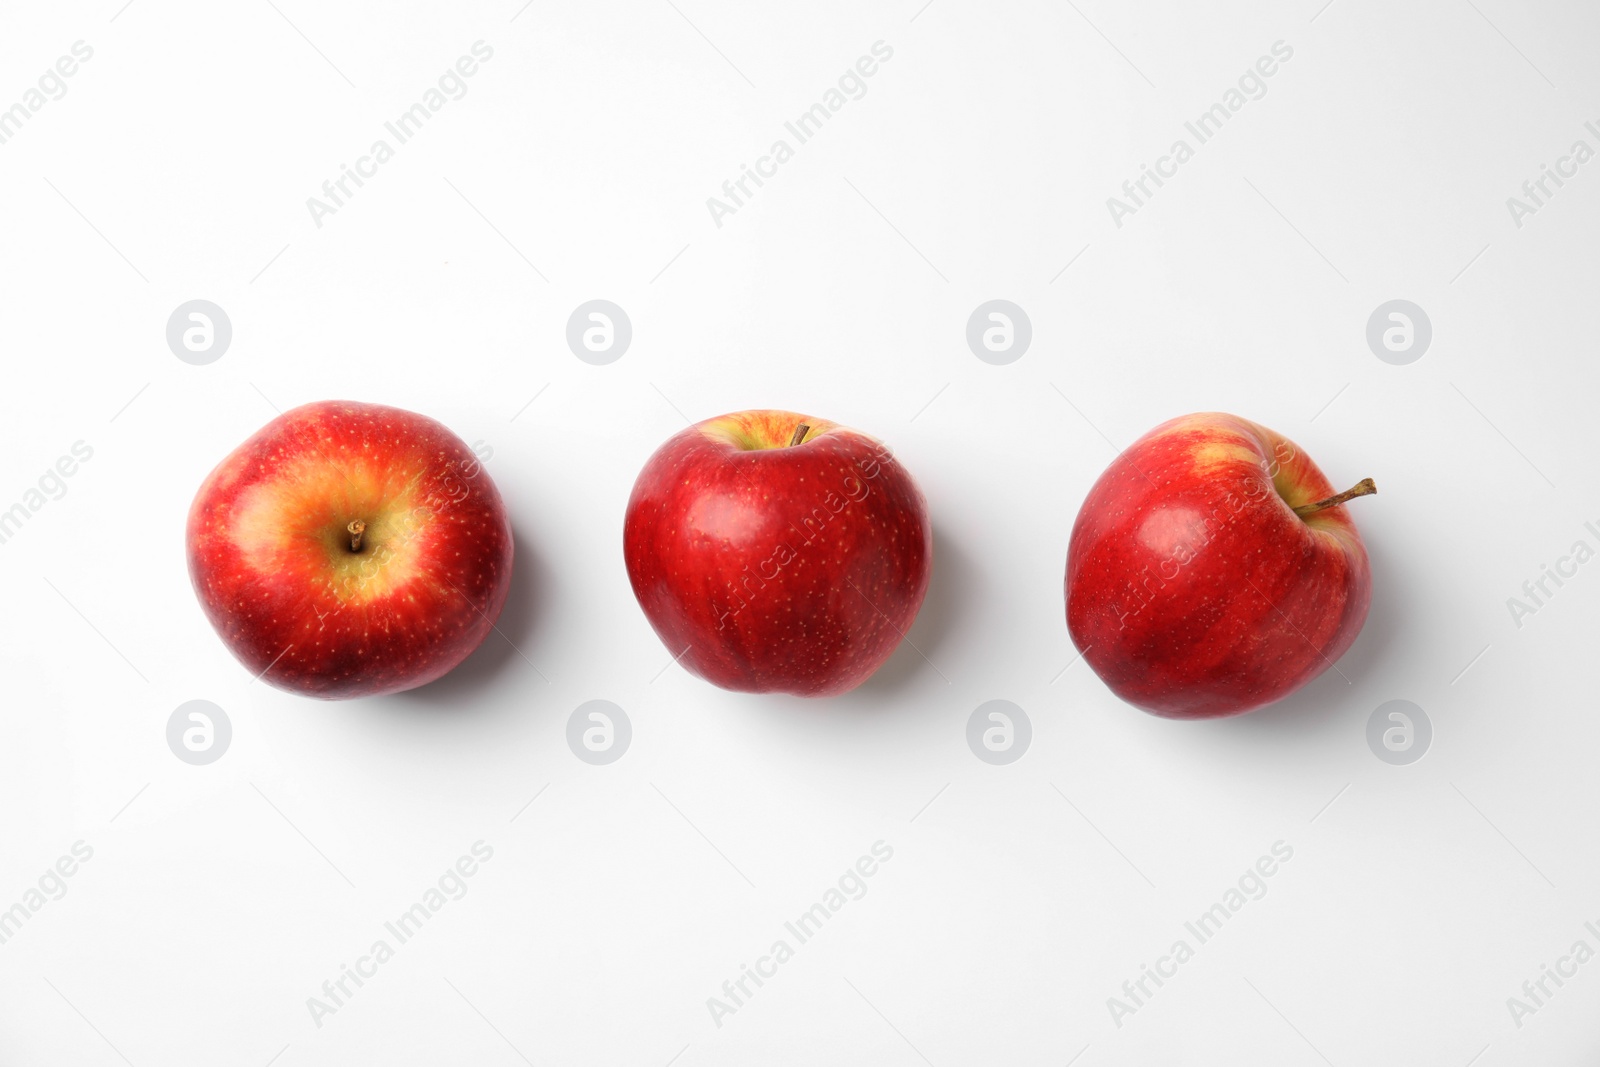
1213 569
350 550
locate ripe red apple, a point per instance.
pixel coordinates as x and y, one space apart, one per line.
350 550
775 552
1213 569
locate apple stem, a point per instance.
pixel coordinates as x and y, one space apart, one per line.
1362 488
799 434
356 528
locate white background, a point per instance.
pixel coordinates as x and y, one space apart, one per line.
977 166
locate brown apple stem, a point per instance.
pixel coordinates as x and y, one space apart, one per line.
799 434
356 528
1362 488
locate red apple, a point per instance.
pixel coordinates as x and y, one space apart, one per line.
776 552
349 550
1213 569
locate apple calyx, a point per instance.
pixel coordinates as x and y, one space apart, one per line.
799 434
1364 487
356 529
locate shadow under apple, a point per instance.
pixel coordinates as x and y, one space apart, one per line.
515 633
950 589
1331 694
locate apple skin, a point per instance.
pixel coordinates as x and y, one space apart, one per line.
270 559
773 568
1193 589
